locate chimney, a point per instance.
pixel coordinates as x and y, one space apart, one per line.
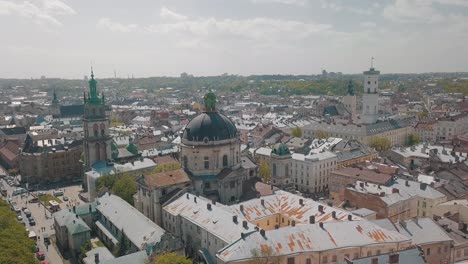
188 196
244 224
334 215
350 218
214 202
262 202
395 190
208 206
321 224
407 183
96 258
242 235
382 194
312 219
320 208
462 226
423 186
241 207
361 184
90 208
262 232
301 202
234 219
195 199
394 259
293 223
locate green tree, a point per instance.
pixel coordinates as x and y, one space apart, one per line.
296 132
125 187
321 134
264 171
414 139
381 143
85 248
172 258
15 246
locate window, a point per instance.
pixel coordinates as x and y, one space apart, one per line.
308 261
378 252
334 258
185 161
369 253
207 162
325 259
103 129
274 170
95 130
225 161
291 260
428 252
207 185
465 252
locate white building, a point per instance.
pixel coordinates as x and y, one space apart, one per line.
370 97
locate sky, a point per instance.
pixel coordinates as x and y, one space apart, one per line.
143 38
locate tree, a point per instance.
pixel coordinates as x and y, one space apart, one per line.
265 256
15 246
381 143
125 187
320 134
296 132
414 139
264 171
85 248
172 258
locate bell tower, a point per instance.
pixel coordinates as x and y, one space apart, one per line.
97 141
370 97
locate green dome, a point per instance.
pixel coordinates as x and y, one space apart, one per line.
132 149
281 150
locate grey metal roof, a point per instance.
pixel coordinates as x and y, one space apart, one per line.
408 256
137 227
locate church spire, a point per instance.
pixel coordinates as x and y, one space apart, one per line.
93 96
55 100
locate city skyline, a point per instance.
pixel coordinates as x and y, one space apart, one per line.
63 38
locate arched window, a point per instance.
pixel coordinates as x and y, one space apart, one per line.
185 160
94 112
95 130
274 170
207 163
225 161
103 129
286 170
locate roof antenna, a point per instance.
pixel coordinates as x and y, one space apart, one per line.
372 63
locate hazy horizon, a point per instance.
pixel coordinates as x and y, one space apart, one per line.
63 38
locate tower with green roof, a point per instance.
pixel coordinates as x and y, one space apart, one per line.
97 141
350 100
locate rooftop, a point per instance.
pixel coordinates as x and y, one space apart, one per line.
311 238
137 227
168 178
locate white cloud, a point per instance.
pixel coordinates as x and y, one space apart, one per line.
165 13
39 11
107 23
452 2
412 11
284 2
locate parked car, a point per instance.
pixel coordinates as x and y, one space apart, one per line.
32 222
65 198
58 193
41 193
19 217
34 200
27 213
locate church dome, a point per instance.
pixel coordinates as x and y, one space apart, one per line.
211 126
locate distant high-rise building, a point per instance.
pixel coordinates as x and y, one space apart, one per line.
370 97
97 141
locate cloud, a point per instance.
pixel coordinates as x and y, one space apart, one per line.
165 13
258 28
412 11
107 23
368 24
39 11
284 2
452 2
